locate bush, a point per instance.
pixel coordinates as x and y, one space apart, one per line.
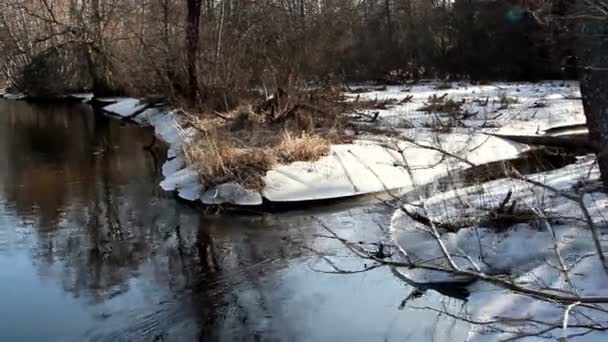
55 73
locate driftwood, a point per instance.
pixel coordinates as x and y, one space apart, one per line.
505 215
569 141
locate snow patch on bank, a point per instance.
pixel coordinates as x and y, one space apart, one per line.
500 107
14 97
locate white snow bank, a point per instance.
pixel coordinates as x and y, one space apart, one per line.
371 167
14 97
231 193
349 170
185 182
506 108
133 109
167 128
83 97
525 251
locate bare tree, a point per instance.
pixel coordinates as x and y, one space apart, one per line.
192 46
592 51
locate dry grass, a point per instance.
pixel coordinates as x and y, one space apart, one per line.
243 145
442 105
305 147
220 158
219 162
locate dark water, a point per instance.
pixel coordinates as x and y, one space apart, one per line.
92 250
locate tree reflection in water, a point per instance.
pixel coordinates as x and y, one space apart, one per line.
89 191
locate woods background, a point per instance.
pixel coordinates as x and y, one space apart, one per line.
202 48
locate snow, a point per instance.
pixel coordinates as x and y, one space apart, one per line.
368 167
349 170
126 108
83 97
111 100
522 250
231 193
173 165
532 108
14 97
185 182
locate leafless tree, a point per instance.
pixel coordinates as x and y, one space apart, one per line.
592 51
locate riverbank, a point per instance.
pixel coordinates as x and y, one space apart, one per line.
411 141
408 136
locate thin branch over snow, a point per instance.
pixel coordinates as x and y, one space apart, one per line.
566 318
549 295
579 200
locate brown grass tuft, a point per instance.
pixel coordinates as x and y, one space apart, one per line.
219 161
221 158
305 147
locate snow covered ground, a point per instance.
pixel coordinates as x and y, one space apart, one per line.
522 250
506 108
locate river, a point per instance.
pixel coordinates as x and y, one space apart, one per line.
92 250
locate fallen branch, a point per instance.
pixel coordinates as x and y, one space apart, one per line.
550 295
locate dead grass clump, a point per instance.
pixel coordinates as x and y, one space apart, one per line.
221 156
305 147
505 100
442 104
220 161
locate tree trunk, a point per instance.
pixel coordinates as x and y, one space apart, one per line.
100 70
389 21
592 53
192 47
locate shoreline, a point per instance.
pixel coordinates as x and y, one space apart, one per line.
373 164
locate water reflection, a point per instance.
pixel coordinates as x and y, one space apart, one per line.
91 249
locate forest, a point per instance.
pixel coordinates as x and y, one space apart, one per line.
226 47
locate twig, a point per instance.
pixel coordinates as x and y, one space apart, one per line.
218 114
578 200
565 323
444 249
562 267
